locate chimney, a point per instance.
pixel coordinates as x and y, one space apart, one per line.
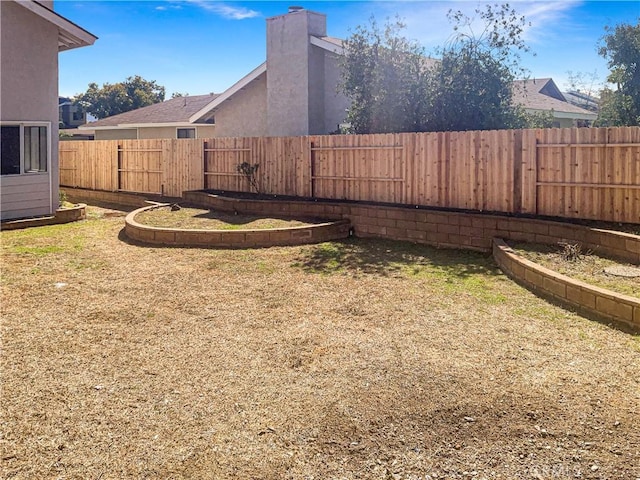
292 68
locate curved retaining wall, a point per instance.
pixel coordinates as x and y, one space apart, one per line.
321 232
439 228
62 215
447 229
588 299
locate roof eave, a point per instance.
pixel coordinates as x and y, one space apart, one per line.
70 35
560 114
331 47
124 126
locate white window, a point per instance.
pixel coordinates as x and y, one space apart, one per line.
186 133
24 147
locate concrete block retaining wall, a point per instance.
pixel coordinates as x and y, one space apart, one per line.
441 229
62 215
588 299
321 232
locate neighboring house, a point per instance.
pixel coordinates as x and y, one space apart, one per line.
542 95
168 119
31 35
70 115
293 93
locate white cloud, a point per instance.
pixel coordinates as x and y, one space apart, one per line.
225 10
168 6
427 21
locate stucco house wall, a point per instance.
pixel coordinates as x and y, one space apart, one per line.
335 103
245 114
123 134
171 132
31 36
29 93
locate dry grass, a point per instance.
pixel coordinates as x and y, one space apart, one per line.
364 359
588 267
187 217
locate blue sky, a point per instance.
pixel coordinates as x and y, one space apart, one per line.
202 46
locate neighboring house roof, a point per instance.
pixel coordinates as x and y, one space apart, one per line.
542 94
582 100
177 110
70 35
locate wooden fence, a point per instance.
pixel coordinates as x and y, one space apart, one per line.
591 173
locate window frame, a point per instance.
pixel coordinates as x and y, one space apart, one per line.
195 133
22 125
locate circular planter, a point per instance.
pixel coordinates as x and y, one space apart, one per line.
248 238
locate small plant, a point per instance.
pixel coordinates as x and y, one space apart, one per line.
570 252
250 173
62 199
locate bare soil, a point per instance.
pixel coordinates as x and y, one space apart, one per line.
358 360
587 267
198 218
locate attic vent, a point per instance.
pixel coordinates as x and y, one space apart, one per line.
295 8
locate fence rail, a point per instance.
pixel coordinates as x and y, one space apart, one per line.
591 173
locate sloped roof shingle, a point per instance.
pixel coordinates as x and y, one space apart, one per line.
543 94
175 110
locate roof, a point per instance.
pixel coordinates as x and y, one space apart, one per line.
175 110
582 100
543 94
70 35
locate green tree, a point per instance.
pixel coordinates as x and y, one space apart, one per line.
471 88
384 75
111 99
621 48
394 87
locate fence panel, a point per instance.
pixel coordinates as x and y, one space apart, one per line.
141 165
358 167
69 168
589 173
183 166
221 158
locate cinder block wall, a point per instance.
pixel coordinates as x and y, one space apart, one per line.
438 228
587 299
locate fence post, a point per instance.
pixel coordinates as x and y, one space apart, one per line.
312 168
204 163
119 165
517 171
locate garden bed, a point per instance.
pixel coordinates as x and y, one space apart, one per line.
200 218
161 224
585 266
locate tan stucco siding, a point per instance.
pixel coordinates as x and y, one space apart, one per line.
335 104
316 90
206 131
156 132
245 114
29 92
117 134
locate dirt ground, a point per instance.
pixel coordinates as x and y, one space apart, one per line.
357 360
189 217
